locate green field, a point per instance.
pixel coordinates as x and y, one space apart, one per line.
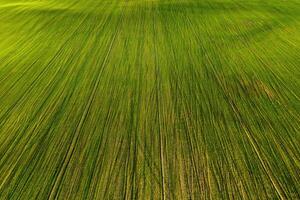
149 99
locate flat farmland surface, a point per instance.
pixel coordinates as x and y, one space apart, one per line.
149 99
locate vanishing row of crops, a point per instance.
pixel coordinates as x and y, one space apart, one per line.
149 99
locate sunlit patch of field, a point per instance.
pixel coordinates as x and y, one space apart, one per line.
150 99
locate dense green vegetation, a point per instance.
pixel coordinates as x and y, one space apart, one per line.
149 99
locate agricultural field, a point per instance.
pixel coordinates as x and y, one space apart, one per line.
149 99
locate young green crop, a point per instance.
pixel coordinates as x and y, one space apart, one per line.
195 99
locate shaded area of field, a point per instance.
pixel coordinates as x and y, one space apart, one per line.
149 99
